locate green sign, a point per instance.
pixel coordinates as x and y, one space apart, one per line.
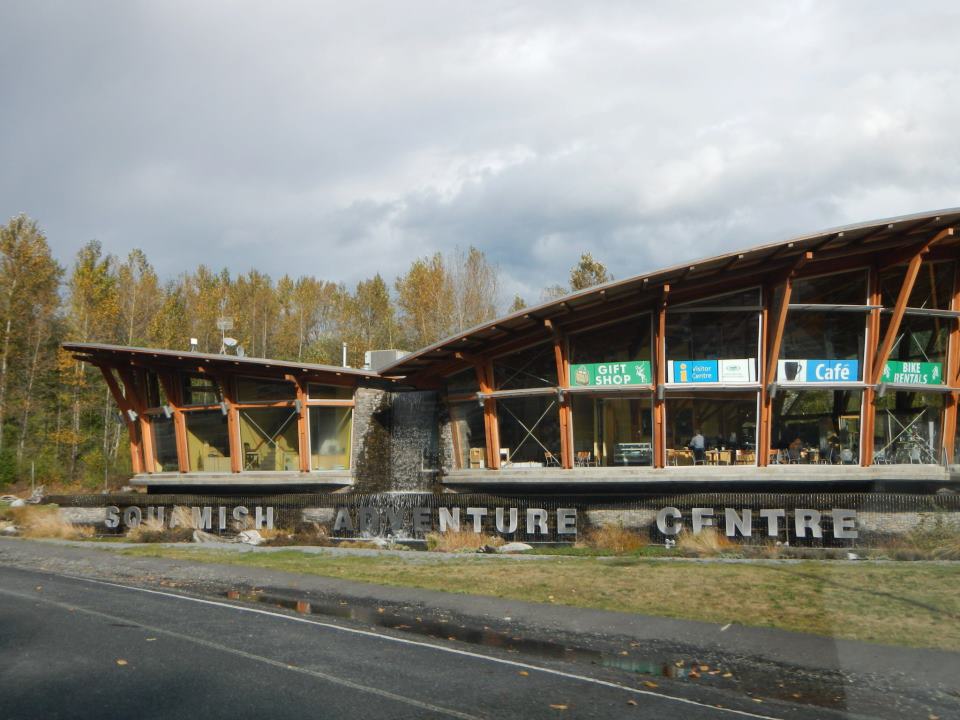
632 372
912 373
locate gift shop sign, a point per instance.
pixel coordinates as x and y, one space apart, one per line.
632 372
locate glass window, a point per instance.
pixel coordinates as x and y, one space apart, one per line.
329 392
920 338
156 397
711 429
838 289
816 427
710 336
907 428
469 435
612 431
330 431
257 390
742 298
529 431
200 390
624 341
208 445
530 368
269 439
463 382
164 444
815 335
932 289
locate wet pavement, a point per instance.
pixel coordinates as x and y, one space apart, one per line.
798 673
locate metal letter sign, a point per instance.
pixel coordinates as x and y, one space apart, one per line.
632 372
912 373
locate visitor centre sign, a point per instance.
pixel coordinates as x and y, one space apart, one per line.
631 372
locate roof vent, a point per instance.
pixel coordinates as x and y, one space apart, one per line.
377 359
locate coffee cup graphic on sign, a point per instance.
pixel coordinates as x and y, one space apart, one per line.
790 369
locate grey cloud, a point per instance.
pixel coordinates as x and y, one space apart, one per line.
345 139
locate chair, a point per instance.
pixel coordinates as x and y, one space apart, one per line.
550 460
584 458
699 456
846 456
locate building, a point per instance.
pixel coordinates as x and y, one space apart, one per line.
828 358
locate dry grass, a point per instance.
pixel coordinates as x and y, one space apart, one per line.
45 521
182 517
614 538
460 541
152 530
706 543
913 604
936 543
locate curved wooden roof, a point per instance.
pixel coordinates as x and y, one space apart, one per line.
884 241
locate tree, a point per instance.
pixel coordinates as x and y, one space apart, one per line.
139 297
553 292
426 299
475 286
517 305
29 279
587 273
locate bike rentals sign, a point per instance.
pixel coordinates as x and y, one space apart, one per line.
912 373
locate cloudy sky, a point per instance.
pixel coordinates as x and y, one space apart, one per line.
343 139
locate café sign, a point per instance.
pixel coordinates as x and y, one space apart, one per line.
818 371
912 373
618 374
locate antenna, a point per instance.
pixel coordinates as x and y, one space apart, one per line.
224 324
193 344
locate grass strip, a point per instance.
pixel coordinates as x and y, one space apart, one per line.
914 604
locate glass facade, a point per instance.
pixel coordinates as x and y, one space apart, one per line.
269 439
612 431
469 435
707 428
535 367
329 392
258 390
164 444
208 444
529 431
200 390
331 430
907 428
816 427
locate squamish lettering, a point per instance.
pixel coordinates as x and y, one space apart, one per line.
206 517
506 521
806 522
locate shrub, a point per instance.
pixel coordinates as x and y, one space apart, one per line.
614 538
460 541
706 543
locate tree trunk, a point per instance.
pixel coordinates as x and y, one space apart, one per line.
28 398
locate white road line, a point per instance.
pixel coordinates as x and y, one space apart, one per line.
441 648
449 712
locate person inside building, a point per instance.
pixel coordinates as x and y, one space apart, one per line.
698 445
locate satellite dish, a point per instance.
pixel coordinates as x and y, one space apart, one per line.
230 342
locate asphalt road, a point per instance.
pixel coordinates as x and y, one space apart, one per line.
73 648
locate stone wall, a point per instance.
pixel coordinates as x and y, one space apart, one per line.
396 442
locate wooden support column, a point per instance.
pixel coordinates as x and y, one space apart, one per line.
174 395
491 430
563 377
660 370
868 420
952 378
126 406
303 421
913 268
135 380
228 387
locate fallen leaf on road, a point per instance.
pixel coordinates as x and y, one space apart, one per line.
631 702
650 684
679 663
727 674
39 588
757 700
559 707
704 668
150 639
121 661
379 610
624 652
